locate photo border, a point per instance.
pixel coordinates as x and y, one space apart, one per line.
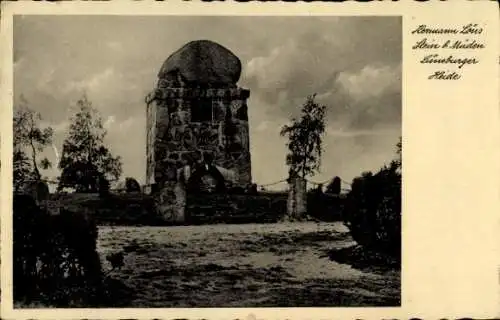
428 261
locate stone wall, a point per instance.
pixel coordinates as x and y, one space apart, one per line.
187 125
175 139
138 209
150 136
234 208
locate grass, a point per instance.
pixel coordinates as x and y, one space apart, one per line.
302 264
252 265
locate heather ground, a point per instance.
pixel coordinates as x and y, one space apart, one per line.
247 265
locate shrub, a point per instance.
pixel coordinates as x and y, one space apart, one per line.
373 210
103 187
132 185
324 206
334 187
55 257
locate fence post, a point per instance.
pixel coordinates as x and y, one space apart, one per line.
297 198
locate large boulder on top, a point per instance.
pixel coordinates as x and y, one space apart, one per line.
203 62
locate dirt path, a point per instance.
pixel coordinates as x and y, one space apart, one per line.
248 265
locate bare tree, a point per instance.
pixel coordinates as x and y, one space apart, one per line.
29 140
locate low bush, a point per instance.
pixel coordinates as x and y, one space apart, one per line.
324 206
131 185
55 258
334 187
103 186
372 211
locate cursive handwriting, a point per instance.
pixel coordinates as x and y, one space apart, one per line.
437 59
445 75
427 43
452 46
471 28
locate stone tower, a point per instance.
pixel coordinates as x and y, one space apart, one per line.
197 114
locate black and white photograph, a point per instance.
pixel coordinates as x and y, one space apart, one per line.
207 161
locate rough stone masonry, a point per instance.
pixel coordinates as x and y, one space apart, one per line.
196 114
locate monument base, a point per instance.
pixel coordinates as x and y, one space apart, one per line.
170 202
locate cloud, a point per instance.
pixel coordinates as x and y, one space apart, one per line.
357 133
112 125
109 122
47 77
263 126
352 63
60 127
18 63
115 45
371 82
355 72
269 126
280 71
92 83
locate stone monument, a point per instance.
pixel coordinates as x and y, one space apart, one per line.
196 114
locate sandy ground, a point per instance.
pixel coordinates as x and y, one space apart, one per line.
250 265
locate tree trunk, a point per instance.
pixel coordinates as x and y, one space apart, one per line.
33 157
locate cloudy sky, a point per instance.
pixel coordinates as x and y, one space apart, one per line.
352 63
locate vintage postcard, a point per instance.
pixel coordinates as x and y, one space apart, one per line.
250 160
